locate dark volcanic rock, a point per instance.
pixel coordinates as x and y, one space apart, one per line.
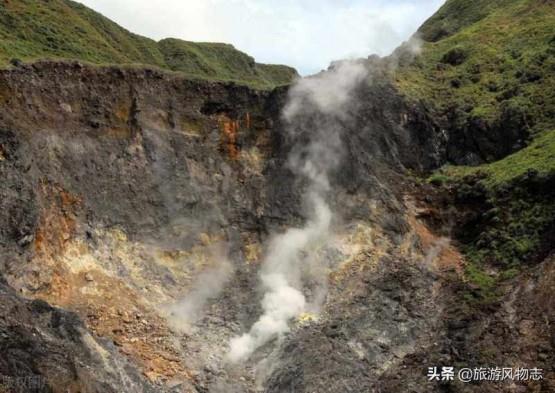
142 147
46 349
393 315
164 163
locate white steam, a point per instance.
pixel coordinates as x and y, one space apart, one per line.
208 285
317 110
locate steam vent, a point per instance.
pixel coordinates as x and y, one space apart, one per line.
176 217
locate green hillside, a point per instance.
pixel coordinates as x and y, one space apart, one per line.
493 62
486 59
538 158
63 29
221 61
516 220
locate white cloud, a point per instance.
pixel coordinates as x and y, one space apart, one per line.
307 34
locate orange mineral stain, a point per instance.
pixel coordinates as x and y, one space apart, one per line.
248 120
229 137
57 223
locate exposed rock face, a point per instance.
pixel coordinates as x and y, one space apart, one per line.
45 349
474 141
140 150
120 187
518 330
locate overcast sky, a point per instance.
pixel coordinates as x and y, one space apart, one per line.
306 34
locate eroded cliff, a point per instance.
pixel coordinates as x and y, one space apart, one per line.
139 206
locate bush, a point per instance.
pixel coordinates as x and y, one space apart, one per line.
454 57
438 179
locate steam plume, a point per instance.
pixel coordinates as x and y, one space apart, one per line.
316 111
208 285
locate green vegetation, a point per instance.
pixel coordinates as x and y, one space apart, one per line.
515 198
455 15
63 29
438 179
221 61
487 60
483 283
538 157
490 65
513 233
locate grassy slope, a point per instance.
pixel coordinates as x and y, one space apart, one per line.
485 57
35 29
538 157
221 61
515 202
